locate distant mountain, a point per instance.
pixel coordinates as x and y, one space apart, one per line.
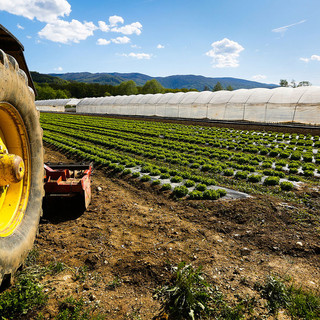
45 78
172 82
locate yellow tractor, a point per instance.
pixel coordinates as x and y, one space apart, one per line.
21 158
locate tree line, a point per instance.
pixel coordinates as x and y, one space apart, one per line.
293 84
79 90
74 89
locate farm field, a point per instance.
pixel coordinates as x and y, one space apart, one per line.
191 161
124 246
113 256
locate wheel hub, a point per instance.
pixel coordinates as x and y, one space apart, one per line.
11 169
14 169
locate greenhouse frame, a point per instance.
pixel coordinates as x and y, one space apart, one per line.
279 105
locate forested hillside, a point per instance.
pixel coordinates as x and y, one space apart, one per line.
171 82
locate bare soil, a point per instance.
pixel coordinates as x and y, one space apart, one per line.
123 247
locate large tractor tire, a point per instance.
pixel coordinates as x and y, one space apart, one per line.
21 167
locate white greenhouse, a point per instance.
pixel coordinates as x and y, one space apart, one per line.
55 105
300 105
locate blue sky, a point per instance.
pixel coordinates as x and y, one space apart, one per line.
262 40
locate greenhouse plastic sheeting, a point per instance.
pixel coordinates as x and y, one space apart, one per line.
307 114
259 105
51 108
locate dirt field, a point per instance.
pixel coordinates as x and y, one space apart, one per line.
124 245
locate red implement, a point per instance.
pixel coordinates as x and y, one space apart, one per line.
68 180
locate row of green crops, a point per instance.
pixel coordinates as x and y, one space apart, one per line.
245 160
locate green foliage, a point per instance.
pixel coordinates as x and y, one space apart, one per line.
303 304
136 174
180 191
45 91
56 267
145 178
26 295
299 304
127 88
195 165
126 171
296 155
166 186
176 179
293 178
217 87
228 172
271 181
283 83
189 183
195 195
241 175
119 168
80 273
156 182
206 167
72 309
119 141
188 296
146 169
155 172
210 194
275 292
201 187
254 178
152 86
222 192
165 175
286 185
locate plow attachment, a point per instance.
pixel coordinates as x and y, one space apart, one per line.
68 180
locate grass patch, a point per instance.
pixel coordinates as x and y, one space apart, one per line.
298 303
189 296
72 309
24 298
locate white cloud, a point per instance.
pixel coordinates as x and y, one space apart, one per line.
305 59
67 32
128 29
121 40
135 46
114 20
29 37
160 46
314 57
20 26
58 69
225 53
103 42
42 10
138 56
134 27
285 28
103 26
259 77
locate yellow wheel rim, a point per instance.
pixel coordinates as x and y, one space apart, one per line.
13 197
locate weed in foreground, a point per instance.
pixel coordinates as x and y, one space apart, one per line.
80 273
56 267
72 309
303 304
275 292
298 303
25 296
189 296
